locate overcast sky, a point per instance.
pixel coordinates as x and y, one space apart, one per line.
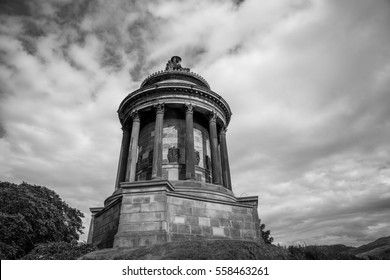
308 83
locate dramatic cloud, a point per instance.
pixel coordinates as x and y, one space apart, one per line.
308 83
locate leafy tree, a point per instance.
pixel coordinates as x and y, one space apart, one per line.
59 251
266 234
30 215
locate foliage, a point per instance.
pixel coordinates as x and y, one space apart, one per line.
314 252
30 215
59 251
266 234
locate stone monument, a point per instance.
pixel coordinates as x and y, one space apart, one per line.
173 180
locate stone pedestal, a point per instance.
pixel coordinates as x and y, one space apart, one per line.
155 212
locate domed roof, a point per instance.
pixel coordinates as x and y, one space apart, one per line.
175 73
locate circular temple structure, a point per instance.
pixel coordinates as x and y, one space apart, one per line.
177 122
173 180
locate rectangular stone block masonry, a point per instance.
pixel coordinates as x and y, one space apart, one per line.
142 226
154 216
179 219
142 217
140 239
174 209
203 221
217 231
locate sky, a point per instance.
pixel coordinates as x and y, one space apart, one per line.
308 83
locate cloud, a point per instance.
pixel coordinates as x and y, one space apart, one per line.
307 82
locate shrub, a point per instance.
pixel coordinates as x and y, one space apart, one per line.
266 234
59 251
314 252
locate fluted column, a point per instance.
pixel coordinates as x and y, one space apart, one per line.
225 160
190 153
132 160
157 151
122 165
215 163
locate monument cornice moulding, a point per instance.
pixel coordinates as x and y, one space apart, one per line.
149 105
172 90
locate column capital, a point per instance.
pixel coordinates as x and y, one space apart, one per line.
212 116
159 108
223 130
134 116
189 108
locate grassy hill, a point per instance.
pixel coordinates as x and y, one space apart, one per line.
196 250
379 249
244 250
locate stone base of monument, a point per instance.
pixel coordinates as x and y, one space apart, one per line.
156 212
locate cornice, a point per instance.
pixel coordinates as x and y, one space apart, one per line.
175 88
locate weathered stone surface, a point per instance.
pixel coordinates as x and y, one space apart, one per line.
179 209
159 197
141 199
131 208
217 231
140 239
207 231
235 233
138 217
148 207
183 229
192 220
106 225
248 234
204 221
214 222
196 230
179 217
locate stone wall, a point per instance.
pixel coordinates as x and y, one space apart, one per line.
106 225
143 220
192 218
151 215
